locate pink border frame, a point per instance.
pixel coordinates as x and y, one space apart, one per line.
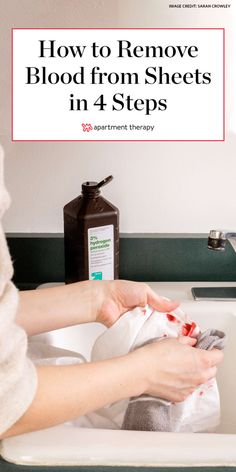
118 140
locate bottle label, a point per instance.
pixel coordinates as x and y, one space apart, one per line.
101 252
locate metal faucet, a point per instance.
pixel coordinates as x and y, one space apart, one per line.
217 239
217 242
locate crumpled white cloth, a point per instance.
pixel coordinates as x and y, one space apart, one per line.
138 326
45 354
200 412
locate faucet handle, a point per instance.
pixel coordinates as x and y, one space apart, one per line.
217 239
217 233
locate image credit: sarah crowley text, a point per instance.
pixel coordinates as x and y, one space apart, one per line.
130 127
200 5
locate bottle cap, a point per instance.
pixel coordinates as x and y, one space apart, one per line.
94 187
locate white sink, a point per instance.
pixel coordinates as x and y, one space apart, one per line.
68 445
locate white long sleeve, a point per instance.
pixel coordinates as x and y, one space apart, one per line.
18 376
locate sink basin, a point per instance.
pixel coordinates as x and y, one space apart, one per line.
68 445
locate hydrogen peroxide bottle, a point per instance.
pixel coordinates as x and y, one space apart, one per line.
91 236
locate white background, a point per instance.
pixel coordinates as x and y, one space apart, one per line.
41 111
158 187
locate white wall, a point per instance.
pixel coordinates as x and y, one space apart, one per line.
159 187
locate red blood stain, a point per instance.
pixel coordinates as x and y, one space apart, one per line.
201 393
164 335
172 318
144 311
188 328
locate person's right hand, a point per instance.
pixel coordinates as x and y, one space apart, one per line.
172 368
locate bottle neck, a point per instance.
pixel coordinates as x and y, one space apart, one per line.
90 194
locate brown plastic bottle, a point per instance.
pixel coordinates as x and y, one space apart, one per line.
91 236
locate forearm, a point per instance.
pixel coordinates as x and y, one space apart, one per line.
170 369
67 392
57 307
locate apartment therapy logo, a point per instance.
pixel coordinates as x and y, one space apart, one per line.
122 73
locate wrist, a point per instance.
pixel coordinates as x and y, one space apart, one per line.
104 301
83 298
138 372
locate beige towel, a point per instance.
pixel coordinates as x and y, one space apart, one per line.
18 376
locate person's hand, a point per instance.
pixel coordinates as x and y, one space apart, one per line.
113 298
173 368
57 307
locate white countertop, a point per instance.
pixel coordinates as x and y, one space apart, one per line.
182 290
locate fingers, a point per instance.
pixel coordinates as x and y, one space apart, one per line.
187 340
208 359
159 303
211 373
213 357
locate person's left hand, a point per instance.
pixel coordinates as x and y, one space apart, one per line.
118 296
103 301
